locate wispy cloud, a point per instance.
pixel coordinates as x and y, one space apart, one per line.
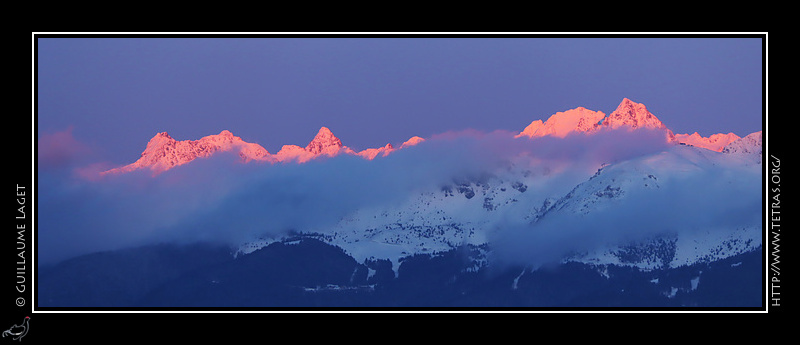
59 149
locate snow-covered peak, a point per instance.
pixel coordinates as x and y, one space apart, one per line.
163 152
412 141
628 115
159 140
748 145
634 115
562 123
715 142
324 143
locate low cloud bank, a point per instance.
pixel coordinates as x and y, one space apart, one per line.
698 201
221 200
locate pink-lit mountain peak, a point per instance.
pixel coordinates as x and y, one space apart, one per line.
628 115
634 115
562 123
163 152
714 142
412 141
324 142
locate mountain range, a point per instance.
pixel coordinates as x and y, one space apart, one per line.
678 225
163 152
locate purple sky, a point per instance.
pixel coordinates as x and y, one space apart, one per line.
116 93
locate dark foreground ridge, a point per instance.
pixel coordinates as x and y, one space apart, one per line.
305 272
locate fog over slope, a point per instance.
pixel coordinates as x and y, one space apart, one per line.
220 200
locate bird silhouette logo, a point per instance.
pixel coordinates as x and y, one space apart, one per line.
18 331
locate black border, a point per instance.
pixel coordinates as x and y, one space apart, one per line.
47 322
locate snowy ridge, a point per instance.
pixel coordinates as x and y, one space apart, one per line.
642 180
749 145
474 212
163 152
628 114
715 142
